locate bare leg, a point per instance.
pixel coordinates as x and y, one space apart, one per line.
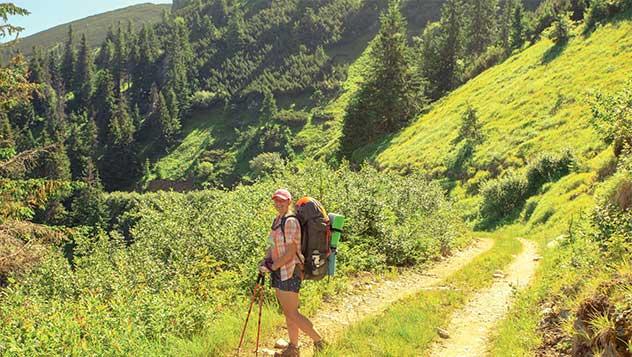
289 304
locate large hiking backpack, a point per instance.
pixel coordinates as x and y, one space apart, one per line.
320 233
315 237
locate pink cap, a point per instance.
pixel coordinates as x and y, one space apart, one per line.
282 194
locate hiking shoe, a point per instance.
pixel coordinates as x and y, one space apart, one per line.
290 351
319 346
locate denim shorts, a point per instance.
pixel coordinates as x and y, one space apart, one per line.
292 284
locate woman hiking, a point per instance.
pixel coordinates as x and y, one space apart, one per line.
283 260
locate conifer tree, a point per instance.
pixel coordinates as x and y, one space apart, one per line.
82 144
440 47
517 27
83 76
103 104
481 25
268 108
390 96
68 63
119 66
143 73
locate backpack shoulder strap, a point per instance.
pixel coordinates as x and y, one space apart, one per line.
283 220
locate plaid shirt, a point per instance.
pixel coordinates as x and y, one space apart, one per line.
280 245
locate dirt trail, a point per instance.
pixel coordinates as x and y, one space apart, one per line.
470 327
372 297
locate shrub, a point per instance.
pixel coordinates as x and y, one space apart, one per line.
600 10
474 184
191 257
292 118
203 99
504 195
613 212
560 29
548 167
267 163
612 118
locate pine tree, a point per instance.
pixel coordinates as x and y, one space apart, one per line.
178 64
82 145
38 73
83 76
144 71
268 108
119 166
105 58
390 96
481 25
173 104
440 47
56 165
119 67
121 128
68 64
103 104
517 27
37 67
165 121
505 12
171 125
88 207
451 48
471 128
55 114
236 35
54 71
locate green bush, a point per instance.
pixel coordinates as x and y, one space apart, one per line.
267 163
600 10
190 258
503 196
548 167
203 99
613 213
560 29
293 118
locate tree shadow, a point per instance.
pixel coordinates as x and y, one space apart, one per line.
552 53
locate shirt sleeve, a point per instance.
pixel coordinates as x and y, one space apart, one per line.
293 232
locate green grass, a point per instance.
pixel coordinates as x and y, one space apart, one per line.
537 100
408 327
568 274
574 265
201 131
95 27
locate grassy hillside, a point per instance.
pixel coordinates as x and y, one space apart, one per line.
538 100
95 27
201 132
314 139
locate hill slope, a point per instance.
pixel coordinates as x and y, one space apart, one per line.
95 27
537 100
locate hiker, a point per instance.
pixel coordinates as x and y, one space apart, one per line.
284 261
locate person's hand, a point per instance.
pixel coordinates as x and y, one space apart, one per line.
266 265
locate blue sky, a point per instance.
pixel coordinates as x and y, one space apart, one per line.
48 13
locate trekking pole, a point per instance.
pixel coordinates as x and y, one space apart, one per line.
260 281
258 290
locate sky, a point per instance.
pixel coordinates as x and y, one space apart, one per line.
48 13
